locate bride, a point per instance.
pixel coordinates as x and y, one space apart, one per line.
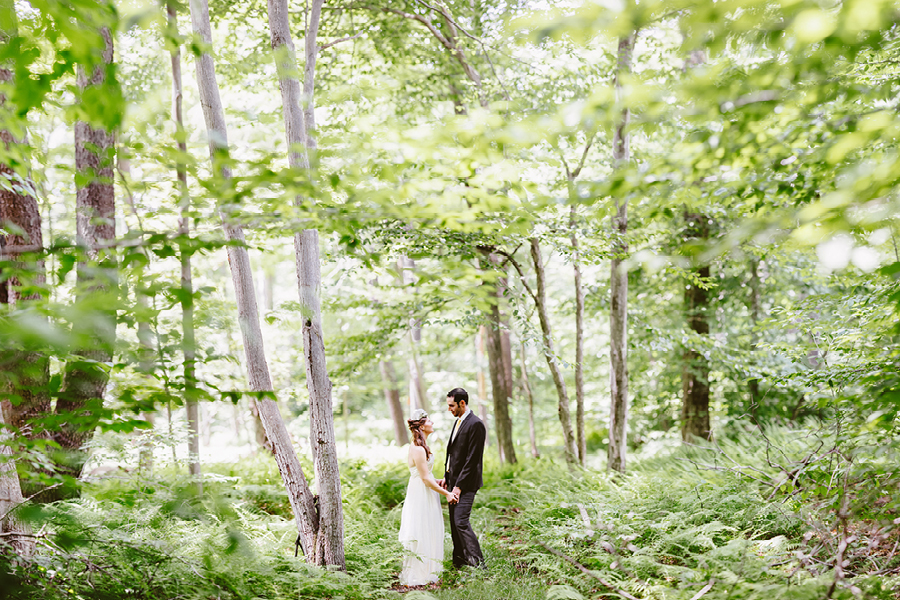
422 520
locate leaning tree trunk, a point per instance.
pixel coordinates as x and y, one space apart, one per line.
188 342
565 417
392 396
85 380
618 285
299 127
299 494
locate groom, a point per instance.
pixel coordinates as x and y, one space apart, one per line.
462 475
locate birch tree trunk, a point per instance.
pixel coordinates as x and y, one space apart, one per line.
579 342
299 494
299 129
188 342
392 395
85 381
565 417
618 285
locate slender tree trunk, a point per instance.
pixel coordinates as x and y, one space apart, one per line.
392 395
299 494
188 342
526 387
579 343
565 418
299 130
618 283
753 382
85 381
406 266
695 371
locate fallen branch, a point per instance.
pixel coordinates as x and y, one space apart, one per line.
588 572
703 591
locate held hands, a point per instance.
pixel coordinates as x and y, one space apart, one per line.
453 498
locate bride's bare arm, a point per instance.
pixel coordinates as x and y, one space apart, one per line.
421 461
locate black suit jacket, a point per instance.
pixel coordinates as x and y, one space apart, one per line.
462 468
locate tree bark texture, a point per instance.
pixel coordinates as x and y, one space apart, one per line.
695 370
299 494
565 417
188 341
392 396
12 528
85 380
299 131
26 373
500 389
579 345
618 312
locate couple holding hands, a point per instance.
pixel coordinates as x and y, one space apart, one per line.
422 521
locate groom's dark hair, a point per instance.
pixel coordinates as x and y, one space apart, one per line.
459 395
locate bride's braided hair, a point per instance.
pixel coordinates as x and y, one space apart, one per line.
415 426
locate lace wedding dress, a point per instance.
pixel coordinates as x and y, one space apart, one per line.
421 531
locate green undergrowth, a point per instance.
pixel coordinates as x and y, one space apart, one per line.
674 524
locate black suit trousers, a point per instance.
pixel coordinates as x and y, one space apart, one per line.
466 549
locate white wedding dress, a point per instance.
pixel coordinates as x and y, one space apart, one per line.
421 532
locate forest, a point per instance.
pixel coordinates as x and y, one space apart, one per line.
242 243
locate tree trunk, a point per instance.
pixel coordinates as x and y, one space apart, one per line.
526 387
418 395
85 381
695 371
26 373
299 130
392 395
299 494
481 380
579 343
565 418
499 389
12 530
188 342
618 285
499 363
753 382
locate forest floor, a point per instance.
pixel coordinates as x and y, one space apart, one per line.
669 530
